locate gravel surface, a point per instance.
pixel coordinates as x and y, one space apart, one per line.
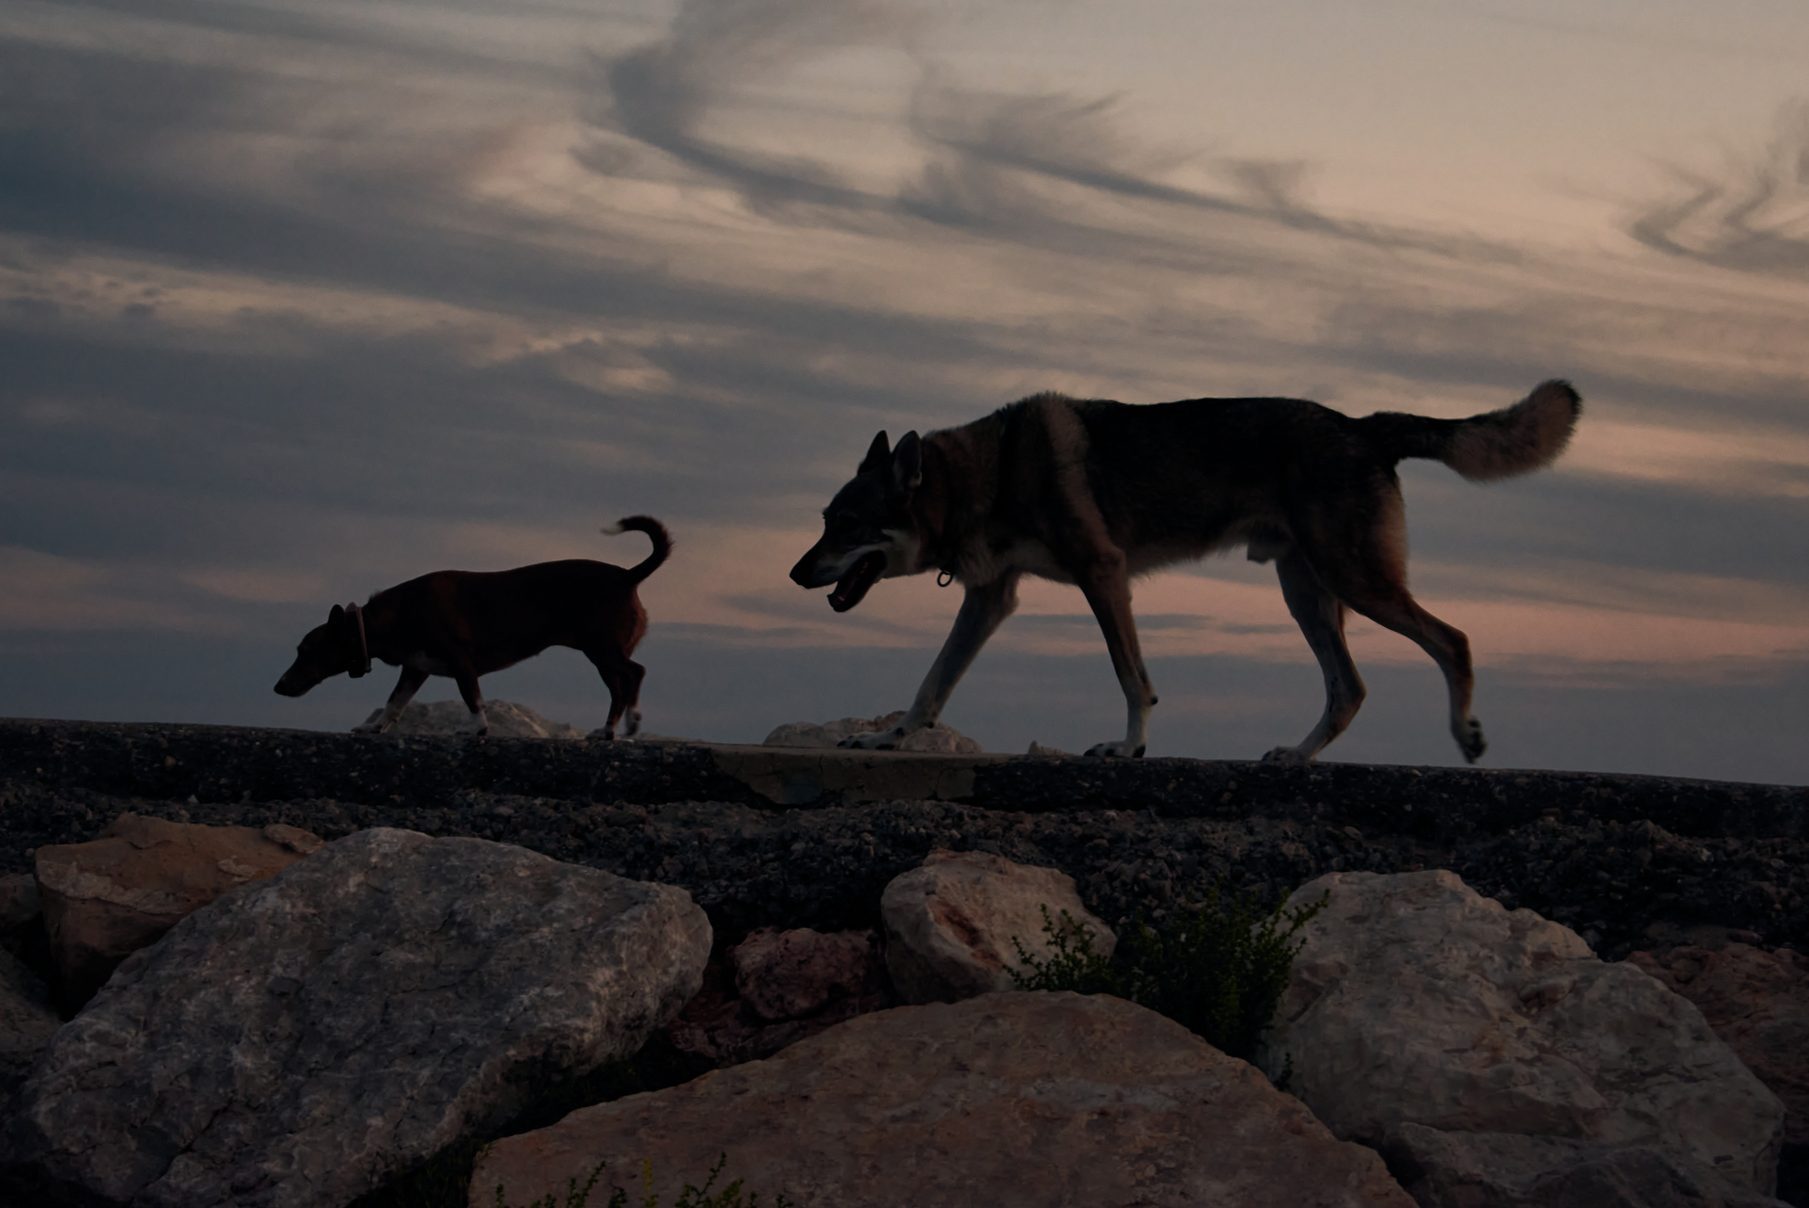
1709 860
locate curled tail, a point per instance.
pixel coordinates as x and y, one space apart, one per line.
656 532
1495 444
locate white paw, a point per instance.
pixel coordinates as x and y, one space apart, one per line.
878 740
631 723
1470 740
1116 750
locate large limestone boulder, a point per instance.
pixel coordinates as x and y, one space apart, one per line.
1757 1001
1491 1052
936 740
1508 1170
27 1023
105 899
506 719
950 923
303 1039
1044 1099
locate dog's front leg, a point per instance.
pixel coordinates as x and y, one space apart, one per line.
1107 587
983 608
473 697
406 687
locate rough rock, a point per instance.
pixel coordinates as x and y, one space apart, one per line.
777 987
937 739
951 922
450 718
27 1023
1046 1099
1758 1002
21 915
796 973
105 899
305 1038
1500 1170
1415 1001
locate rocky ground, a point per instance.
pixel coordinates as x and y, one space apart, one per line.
809 838
1702 883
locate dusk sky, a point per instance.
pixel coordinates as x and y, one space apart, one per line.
298 300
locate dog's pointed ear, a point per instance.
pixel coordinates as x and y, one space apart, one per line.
336 615
907 464
878 454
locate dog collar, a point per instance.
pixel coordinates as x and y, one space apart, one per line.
364 646
944 578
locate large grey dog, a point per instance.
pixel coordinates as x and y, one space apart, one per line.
1093 493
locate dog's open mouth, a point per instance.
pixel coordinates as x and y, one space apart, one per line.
853 586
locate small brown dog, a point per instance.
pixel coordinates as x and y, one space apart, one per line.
465 624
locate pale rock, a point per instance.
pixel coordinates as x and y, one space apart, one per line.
105 899
303 1039
443 718
935 740
951 922
1052 1100
1757 1001
1516 1053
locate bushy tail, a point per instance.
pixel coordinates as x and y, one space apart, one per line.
1496 444
656 532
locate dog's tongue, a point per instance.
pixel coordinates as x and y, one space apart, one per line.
863 575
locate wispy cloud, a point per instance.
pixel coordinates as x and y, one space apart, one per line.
1751 215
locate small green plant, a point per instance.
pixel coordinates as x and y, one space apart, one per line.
1218 968
577 1195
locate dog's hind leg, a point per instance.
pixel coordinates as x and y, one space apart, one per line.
1321 618
983 609
406 687
1107 587
622 676
1367 570
474 700
1449 648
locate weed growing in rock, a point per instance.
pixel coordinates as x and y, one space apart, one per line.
1219 969
577 1195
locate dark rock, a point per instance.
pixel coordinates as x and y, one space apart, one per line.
27 1022
1507 1170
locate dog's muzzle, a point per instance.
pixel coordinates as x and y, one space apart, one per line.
809 573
